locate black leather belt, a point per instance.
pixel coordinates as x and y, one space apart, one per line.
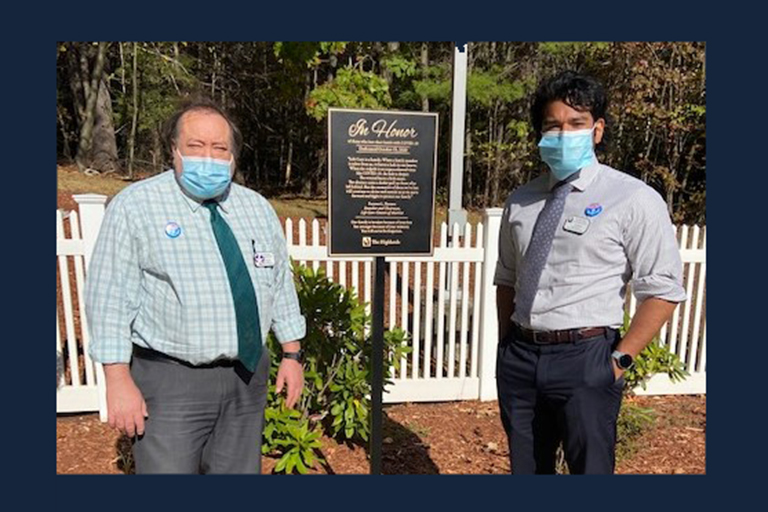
154 355
554 337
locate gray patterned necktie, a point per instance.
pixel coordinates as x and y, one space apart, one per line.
538 249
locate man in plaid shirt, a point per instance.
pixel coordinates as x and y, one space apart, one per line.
189 273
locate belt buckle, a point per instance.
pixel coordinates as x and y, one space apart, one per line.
536 340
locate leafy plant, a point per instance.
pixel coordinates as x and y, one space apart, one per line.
338 358
291 433
654 358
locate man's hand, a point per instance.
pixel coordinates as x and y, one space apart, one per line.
126 408
290 375
617 372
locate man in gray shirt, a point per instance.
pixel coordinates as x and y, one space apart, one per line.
570 242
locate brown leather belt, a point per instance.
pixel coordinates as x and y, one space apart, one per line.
554 337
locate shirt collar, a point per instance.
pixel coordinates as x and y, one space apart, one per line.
582 178
195 204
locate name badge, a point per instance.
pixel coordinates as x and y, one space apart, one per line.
264 259
578 225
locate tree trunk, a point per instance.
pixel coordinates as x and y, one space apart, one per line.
135 118
424 66
90 82
104 149
75 84
97 148
487 192
392 48
497 165
66 149
312 185
157 151
213 75
290 161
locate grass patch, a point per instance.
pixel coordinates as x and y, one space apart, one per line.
71 181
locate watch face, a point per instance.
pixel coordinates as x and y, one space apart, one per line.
625 361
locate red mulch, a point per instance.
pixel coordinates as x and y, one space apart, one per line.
441 438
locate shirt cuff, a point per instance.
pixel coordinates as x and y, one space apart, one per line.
111 352
504 277
290 329
658 287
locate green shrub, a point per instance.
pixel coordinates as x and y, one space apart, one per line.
336 396
654 358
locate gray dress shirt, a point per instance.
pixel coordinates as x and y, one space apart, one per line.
615 231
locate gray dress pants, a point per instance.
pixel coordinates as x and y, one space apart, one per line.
201 419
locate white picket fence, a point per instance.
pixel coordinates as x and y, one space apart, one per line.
686 333
80 387
446 303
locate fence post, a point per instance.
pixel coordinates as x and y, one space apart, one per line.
91 208
488 323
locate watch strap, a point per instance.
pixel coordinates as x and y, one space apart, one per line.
296 356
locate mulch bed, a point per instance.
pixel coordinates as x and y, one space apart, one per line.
439 438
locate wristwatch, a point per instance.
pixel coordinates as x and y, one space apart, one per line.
623 361
296 356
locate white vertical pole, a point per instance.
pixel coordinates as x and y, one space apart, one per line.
456 214
476 304
685 336
404 316
464 325
69 317
315 241
90 378
453 290
416 332
368 285
489 328
439 365
92 208
302 236
673 343
429 320
392 305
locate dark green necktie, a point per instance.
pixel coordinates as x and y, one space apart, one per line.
243 295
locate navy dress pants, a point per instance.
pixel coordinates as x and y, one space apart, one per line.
559 393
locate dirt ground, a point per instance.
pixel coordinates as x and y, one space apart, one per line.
440 438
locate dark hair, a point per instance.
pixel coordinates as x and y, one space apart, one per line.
578 91
171 129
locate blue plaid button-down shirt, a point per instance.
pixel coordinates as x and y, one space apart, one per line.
157 279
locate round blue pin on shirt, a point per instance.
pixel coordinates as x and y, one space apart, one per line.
593 209
172 230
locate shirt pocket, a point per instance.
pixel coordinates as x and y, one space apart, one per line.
263 268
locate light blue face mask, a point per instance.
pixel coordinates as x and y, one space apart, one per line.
567 152
205 178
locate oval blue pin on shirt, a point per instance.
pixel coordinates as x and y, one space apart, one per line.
593 210
172 230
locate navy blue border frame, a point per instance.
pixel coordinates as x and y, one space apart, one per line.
734 101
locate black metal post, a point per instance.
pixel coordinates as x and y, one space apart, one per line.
377 360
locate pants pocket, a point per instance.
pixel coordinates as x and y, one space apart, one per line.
599 370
